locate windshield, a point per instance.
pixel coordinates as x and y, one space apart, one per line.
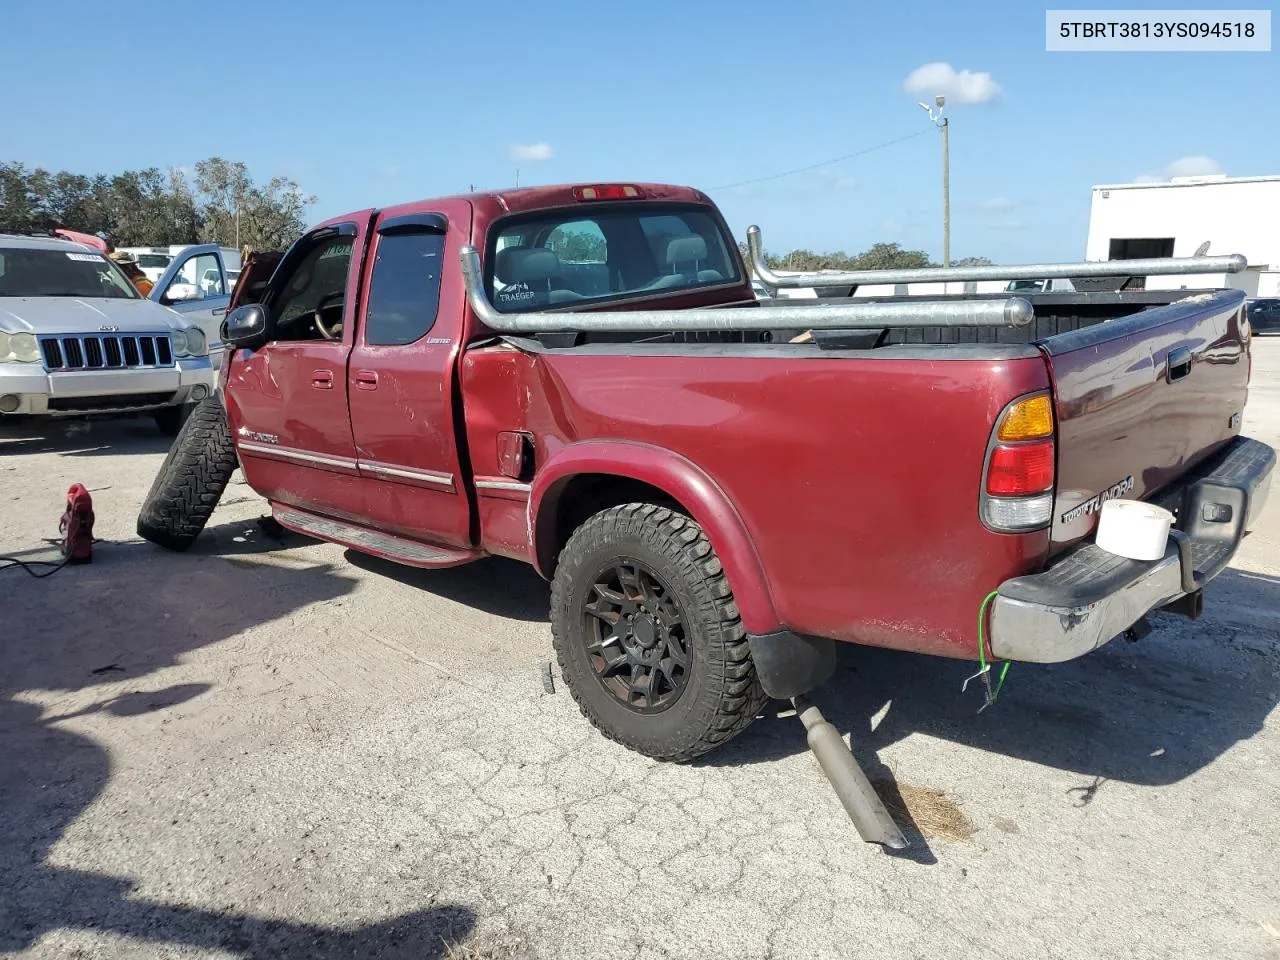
153 260
61 273
597 253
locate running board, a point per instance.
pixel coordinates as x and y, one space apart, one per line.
387 545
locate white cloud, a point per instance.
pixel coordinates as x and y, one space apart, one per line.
1193 166
998 204
958 86
532 152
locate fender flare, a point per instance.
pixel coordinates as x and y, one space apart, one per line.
680 479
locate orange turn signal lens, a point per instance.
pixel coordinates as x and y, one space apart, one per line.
1028 419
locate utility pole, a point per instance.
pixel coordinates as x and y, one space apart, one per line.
943 124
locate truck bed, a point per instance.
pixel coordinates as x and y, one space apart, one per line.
839 509
1056 313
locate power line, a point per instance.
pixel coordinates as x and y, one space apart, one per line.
824 163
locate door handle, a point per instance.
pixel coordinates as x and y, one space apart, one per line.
366 380
1178 364
219 311
322 379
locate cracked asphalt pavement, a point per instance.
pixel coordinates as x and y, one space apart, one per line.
277 748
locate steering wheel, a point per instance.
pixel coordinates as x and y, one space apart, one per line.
329 332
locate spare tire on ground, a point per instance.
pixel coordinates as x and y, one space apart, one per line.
191 480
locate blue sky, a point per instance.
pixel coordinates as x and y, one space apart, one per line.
390 100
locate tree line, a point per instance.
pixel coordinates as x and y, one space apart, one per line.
880 256
578 245
221 203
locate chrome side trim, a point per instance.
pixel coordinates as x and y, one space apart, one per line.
514 486
433 477
299 456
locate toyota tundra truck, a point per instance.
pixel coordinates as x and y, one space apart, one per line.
582 378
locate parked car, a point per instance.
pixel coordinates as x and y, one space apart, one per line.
196 285
77 338
1264 315
154 265
714 507
1057 285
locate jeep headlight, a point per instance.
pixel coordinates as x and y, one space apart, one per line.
179 340
22 347
196 343
4 347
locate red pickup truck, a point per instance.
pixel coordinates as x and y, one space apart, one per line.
581 377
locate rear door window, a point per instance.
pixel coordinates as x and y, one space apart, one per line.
404 292
605 253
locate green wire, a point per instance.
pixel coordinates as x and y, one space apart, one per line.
982 644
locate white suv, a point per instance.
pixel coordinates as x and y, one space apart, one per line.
77 338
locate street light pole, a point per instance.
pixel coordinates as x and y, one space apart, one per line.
946 191
943 124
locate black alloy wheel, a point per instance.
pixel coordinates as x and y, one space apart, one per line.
635 637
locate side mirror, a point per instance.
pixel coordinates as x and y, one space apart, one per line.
179 292
245 326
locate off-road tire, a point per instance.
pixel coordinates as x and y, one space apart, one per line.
191 479
169 420
722 694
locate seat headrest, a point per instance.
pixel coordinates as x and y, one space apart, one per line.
525 264
686 250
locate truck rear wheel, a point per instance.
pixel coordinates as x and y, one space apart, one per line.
191 479
647 634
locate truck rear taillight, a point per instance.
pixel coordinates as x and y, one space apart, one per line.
1022 470
608 191
1017 484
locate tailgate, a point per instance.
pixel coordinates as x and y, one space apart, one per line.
1141 400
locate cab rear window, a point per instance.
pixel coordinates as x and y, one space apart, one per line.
599 254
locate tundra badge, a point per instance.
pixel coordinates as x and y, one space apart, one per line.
1094 504
260 437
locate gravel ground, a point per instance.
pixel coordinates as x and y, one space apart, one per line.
280 749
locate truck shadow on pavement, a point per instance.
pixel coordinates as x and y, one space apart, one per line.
161 609
497 586
89 438
1150 713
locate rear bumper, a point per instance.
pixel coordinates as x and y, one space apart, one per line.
1090 596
